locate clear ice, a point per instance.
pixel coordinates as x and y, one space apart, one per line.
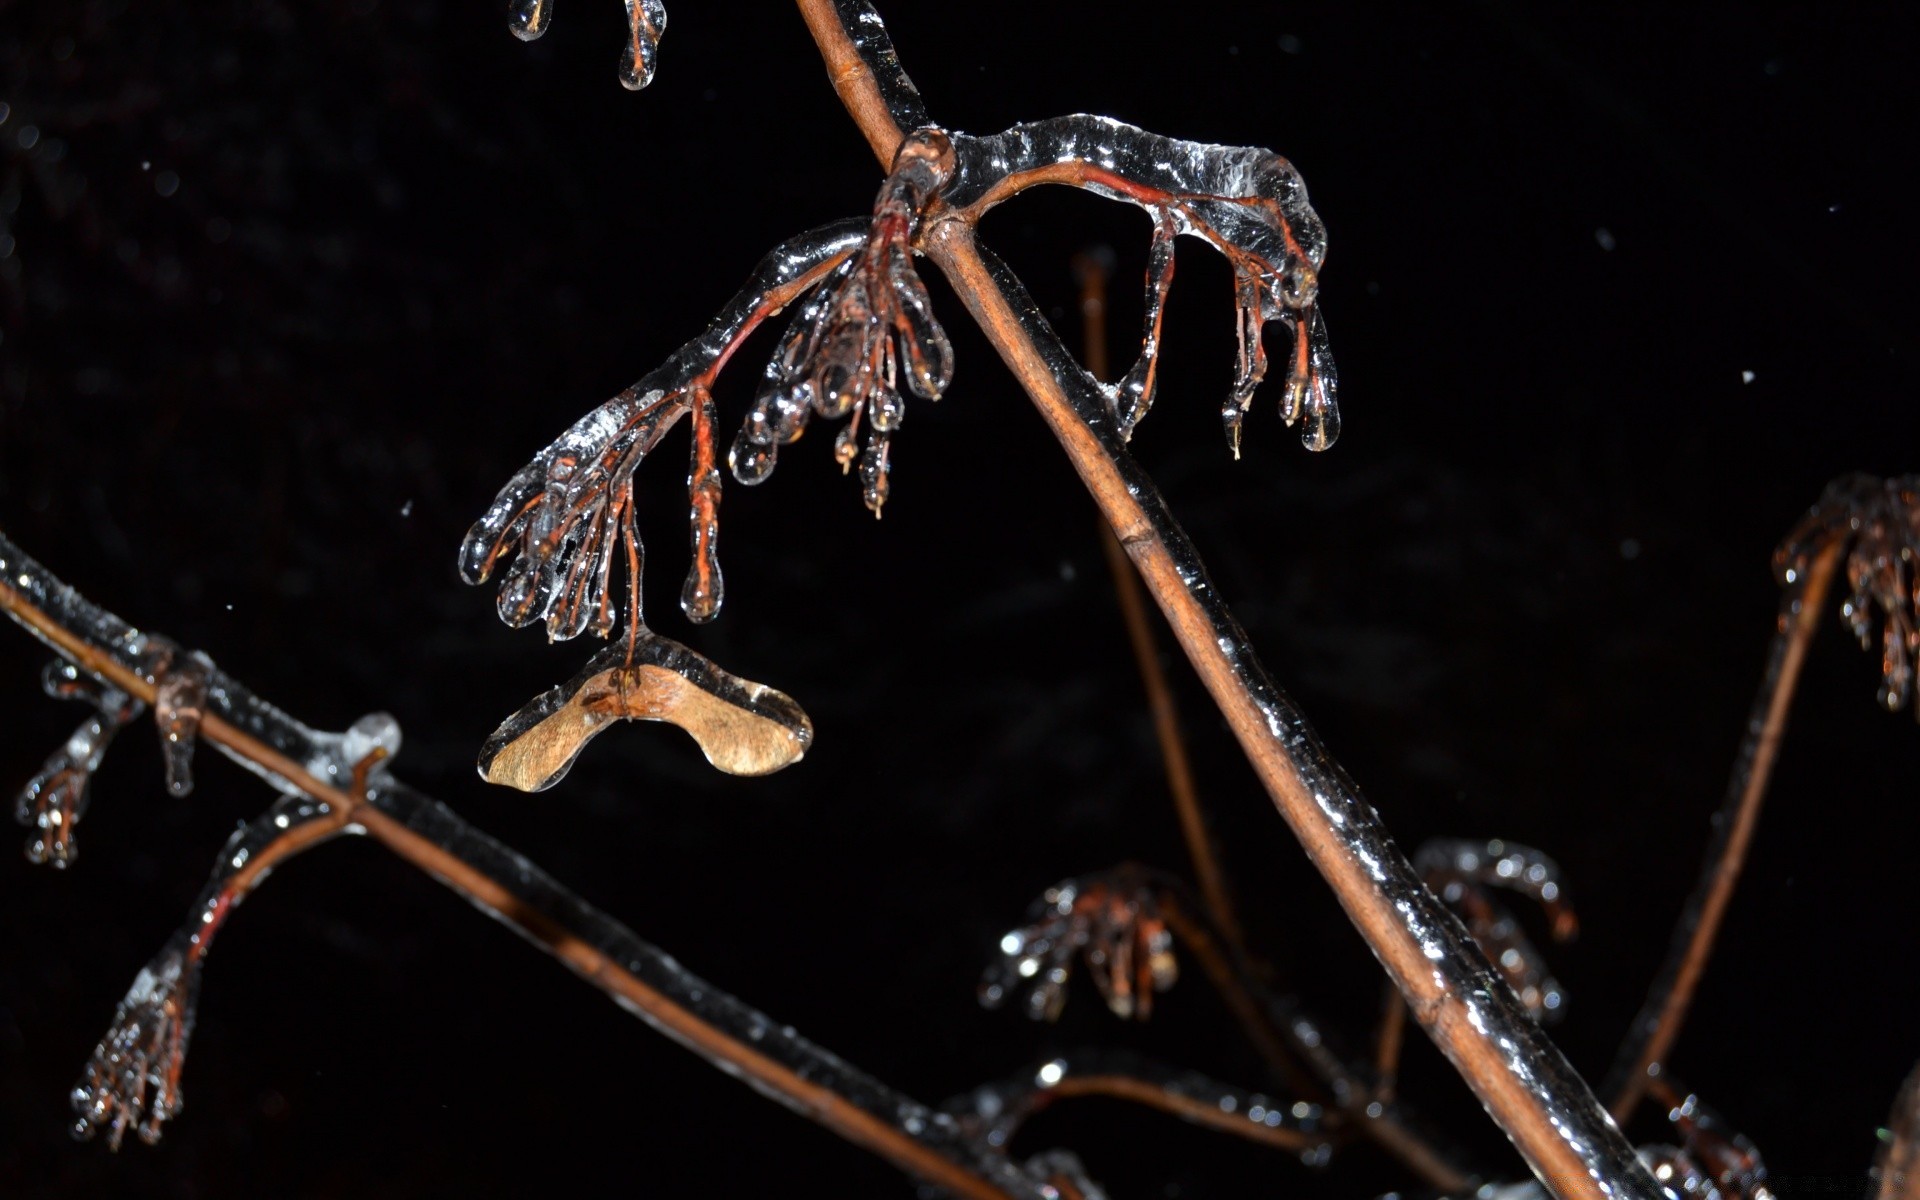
55 799
1881 520
1464 873
180 700
743 728
646 22
133 1079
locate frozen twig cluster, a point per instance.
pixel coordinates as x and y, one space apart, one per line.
864 337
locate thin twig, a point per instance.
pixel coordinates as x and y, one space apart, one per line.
503 884
1522 1079
1658 1023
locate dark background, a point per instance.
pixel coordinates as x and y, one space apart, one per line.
289 290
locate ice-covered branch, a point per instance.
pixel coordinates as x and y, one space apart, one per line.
330 778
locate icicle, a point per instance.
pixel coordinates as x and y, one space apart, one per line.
868 325
1113 921
180 700
743 728
646 21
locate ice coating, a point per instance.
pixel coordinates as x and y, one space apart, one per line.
55 799
1248 203
1464 873
1456 979
1113 921
993 1113
869 329
1880 521
744 728
1713 1161
539 907
646 21
566 516
180 700
132 1081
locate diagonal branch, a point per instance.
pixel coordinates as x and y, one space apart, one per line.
300 761
1657 1025
1546 1109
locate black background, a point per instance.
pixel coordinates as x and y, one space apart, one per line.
1526 595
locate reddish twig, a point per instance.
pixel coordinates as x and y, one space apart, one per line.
1519 1076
